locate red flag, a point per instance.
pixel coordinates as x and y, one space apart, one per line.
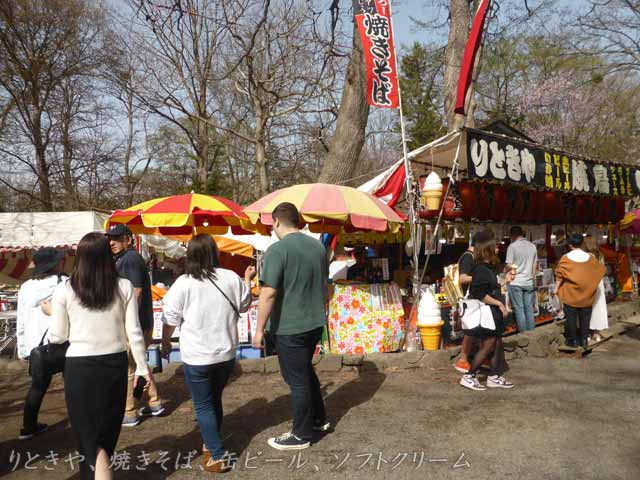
470 52
392 190
373 18
389 185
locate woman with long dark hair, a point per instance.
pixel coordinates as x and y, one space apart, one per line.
97 313
486 288
206 302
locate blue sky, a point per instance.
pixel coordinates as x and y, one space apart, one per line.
405 32
404 29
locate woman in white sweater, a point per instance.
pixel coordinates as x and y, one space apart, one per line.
97 313
206 302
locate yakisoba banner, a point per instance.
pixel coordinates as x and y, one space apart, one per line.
373 18
504 160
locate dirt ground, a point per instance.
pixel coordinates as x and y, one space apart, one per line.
566 419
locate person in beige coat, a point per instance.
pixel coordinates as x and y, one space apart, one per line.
578 275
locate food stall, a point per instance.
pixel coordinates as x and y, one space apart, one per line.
365 315
366 310
498 177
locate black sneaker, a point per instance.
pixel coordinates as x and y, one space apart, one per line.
288 441
151 411
322 427
26 434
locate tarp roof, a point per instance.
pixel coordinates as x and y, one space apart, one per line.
33 230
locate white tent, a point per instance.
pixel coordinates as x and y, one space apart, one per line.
47 229
22 233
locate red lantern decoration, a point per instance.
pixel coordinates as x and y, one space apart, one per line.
592 210
519 205
500 209
580 214
619 210
528 215
484 205
552 206
469 200
568 209
603 216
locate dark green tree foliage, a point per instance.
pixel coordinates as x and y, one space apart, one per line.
421 95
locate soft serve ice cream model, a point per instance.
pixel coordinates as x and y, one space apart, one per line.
429 321
432 191
428 310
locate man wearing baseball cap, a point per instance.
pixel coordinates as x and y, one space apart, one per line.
130 265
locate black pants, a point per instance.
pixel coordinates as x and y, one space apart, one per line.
295 355
39 386
577 325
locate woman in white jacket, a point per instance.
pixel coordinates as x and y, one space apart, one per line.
32 324
97 313
206 302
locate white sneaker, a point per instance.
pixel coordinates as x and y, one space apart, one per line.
471 382
496 381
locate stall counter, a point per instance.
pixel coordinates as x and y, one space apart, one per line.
365 318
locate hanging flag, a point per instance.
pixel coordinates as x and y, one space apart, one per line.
373 18
470 52
389 185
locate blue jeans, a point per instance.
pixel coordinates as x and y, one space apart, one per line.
523 302
295 355
205 384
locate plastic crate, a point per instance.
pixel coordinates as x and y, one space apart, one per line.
156 362
247 351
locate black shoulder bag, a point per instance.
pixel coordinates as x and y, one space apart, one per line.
47 359
235 309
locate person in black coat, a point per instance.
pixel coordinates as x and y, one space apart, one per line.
486 288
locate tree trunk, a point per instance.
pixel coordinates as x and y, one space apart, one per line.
128 179
458 34
345 147
72 198
41 165
261 151
67 159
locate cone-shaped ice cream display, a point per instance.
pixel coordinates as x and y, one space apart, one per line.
432 191
429 321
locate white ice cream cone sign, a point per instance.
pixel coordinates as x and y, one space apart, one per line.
432 191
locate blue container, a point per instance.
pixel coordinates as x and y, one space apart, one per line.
247 351
156 362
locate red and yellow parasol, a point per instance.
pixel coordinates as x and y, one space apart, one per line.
182 215
328 209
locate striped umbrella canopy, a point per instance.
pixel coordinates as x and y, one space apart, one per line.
328 209
187 214
631 222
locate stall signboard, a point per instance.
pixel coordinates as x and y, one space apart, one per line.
500 159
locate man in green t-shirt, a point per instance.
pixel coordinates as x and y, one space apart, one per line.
293 296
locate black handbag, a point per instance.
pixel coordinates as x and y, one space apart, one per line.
47 359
